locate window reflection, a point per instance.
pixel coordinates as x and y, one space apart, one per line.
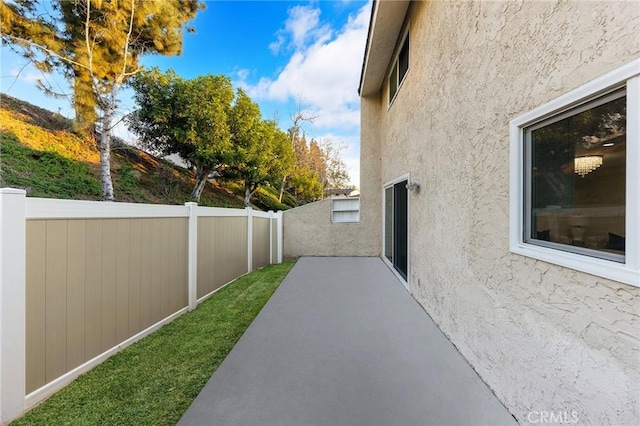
578 175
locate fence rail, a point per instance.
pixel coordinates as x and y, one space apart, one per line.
83 279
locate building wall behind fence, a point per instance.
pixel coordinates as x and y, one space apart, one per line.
308 231
93 278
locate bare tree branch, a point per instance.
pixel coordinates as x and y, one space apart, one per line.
18 75
45 50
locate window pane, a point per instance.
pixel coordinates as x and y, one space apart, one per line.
403 59
393 82
388 223
578 175
400 228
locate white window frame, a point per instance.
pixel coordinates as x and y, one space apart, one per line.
396 64
627 272
345 209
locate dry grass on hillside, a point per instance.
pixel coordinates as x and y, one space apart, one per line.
32 132
138 177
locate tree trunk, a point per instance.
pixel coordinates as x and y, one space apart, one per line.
249 190
247 194
201 180
108 106
284 181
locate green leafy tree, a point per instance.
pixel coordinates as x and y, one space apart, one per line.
305 185
262 152
97 44
185 117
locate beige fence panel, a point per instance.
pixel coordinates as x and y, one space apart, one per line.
92 284
222 251
261 243
89 278
36 307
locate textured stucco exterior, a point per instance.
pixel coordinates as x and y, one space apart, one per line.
543 337
308 230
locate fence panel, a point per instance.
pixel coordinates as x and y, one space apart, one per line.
35 304
222 251
261 243
85 287
82 280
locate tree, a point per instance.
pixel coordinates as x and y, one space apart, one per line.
305 185
317 162
262 152
294 132
185 117
323 160
336 174
96 44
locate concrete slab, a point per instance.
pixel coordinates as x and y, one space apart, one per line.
341 342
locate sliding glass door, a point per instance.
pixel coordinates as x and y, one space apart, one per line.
396 226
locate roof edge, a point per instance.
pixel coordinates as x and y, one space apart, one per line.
387 18
366 47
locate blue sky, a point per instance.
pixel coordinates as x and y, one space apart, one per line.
287 55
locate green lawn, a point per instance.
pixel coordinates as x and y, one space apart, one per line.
155 380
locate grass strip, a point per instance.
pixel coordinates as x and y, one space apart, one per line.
153 381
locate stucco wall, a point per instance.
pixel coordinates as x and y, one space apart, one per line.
543 337
308 230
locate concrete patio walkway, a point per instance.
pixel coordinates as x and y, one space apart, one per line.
341 342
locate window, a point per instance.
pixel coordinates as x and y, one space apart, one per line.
576 171
575 181
399 69
344 210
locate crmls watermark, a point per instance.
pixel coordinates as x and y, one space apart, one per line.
553 417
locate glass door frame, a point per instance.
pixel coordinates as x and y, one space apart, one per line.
391 264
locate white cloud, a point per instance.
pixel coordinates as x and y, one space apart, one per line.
353 167
324 70
277 45
321 77
32 77
243 74
301 28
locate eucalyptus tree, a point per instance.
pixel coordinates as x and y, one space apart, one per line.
97 45
185 117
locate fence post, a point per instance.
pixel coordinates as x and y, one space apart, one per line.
193 255
249 239
280 227
12 303
271 217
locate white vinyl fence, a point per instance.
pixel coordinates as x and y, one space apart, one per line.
80 280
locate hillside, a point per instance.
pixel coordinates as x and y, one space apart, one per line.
40 153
